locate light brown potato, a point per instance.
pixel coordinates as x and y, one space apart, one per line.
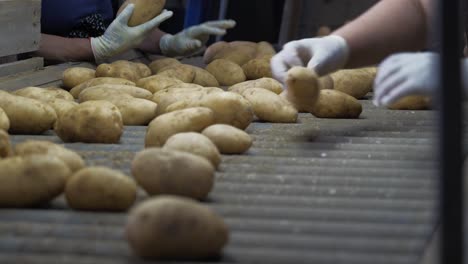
98 81
197 232
257 68
228 139
32 180
166 99
74 76
196 144
159 171
412 102
44 94
157 83
335 104
265 83
100 189
38 147
228 108
61 106
265 50
212 50
239 53
302 89
159 64
4 120
95 92
270 107
5 145
144 11
325 82
128 70
226 72
357 82
204 78
26 115
135 111
187 120
91 122
182 72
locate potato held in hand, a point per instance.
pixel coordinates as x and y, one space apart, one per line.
144 11
159 171
195 231
91 122
302 89
100 188
335 104
270 107
32 180
228 139
4 120
76 75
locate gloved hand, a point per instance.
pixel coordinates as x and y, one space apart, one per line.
406 74
119 37
193 39
324 55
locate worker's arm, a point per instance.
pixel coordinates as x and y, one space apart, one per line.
151 43
58 48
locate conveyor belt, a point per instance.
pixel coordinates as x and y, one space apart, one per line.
320 191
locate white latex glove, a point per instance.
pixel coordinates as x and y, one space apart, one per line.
323 55
119 37
193 39
406 74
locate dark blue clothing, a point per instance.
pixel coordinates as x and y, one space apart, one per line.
199 11
60 17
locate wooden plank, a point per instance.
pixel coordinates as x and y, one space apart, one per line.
21 66
21 27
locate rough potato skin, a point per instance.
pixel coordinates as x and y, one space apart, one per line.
128 70
4 120
144 11
44 94
38 147
228 139
157 83
356 82
412 102
32 180
135 111
270 107
74 76
169 227
182 72
265 83
166 99
100 189
257 68
159 64
98 81
302 88
91 122
335 104
226 72
92 93
161 171
186 120
212 50
5 145
204 78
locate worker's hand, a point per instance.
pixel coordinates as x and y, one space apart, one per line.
323 55
406 74
119 37
193 39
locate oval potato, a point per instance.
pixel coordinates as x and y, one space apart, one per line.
412 102
204 78
135 111
93 93
98 81
157 83
228 139
335 104
74 76
182 72
226 72
128 70
144 10
257 68
356 82
265 83
61 106
159 64
270 107
44 94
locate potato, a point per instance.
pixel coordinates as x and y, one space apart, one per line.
265 83
270 107
91 122
228 139
412 102
44 94
135 111
195 231
302 89
128 70
196 144
32 180
5 145
37 147
239 54
4 120
98 81
159 64
257 68
61 106
357 82
335 104
187 120
228 108
325 82
27 116
94 93
182 72
157 83
212 50
226 72
144 11
176 95
204 78
265 50
187 85
100 189
74 76
159 171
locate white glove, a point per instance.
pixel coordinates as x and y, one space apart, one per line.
193 39
406 74
119 37
323 55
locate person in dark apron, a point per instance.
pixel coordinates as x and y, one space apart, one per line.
85 30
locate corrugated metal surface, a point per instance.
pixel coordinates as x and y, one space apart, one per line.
320 191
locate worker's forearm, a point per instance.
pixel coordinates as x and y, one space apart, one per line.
58 48
151 43
390 26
